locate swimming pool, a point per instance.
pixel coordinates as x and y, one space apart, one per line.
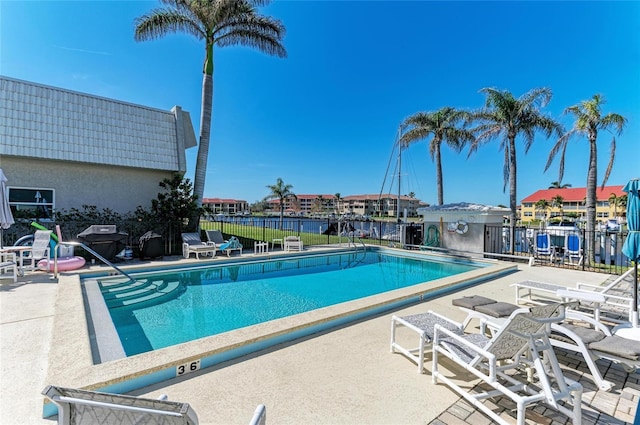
81 323
205 301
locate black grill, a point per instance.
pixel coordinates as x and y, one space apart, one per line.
104 239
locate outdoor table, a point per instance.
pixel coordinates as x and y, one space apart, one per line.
276 241
19 250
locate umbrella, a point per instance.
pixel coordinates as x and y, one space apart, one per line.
631 247
6 218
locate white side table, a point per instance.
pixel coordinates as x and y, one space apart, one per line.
276 241
260 247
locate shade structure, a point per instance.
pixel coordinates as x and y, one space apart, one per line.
6 218
631 247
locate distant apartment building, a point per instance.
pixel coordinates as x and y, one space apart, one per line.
226 206
62 149
306 204
573 203
373 205
385 205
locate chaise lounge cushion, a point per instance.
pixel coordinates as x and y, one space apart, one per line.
472 302
587 335
497 309
616 345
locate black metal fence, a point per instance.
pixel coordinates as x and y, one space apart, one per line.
605 256
599 251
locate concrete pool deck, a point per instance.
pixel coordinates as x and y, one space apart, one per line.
343 376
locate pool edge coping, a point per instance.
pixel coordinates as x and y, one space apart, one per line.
71 361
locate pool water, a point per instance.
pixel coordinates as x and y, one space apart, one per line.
216 299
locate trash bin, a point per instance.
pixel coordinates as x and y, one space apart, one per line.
151 245
104 239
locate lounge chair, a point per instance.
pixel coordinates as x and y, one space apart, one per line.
618 296
573 249
293 242
543 248
591 338
578 332
40 249
191 243
226 246
8 265
500 362
76 407
423 324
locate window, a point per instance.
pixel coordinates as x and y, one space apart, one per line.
31 202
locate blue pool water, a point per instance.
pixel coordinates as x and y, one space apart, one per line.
207 301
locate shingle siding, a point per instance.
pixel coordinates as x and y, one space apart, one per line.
45 122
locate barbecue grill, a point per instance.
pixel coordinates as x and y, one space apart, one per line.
104 239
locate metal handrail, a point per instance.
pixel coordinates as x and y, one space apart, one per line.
98 256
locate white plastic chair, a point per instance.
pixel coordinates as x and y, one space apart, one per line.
504 363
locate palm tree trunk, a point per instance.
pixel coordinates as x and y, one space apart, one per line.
438 172
592 178
205 134
512 192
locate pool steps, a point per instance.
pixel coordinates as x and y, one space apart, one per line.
140 291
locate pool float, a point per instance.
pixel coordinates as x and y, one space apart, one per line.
64 264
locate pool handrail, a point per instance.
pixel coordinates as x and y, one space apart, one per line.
98 256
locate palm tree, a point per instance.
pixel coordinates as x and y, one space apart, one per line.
588 121
543 205
559 185
445 125
337 202
506 117
282 192
222 23
557 202
613 201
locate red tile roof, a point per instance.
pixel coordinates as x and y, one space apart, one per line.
574 194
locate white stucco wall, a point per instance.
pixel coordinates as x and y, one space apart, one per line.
476 216
120 189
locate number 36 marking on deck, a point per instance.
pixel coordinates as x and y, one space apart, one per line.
187 367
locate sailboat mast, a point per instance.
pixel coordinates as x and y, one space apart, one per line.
399 174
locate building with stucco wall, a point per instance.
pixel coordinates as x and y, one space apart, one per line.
62 149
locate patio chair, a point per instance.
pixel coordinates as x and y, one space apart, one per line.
573 249
226 246
8 265
76 407
616 302
543 247
593 340
191 243
40 248
423 324
501 363
293 242
580 333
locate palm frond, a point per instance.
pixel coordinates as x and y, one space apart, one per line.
160 22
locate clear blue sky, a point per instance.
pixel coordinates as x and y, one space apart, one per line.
325 118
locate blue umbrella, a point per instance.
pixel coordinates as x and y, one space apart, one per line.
631 247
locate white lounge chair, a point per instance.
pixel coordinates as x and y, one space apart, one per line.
293 242
8 265
578 332
522 342
78 407
585 335
618 297
191 244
